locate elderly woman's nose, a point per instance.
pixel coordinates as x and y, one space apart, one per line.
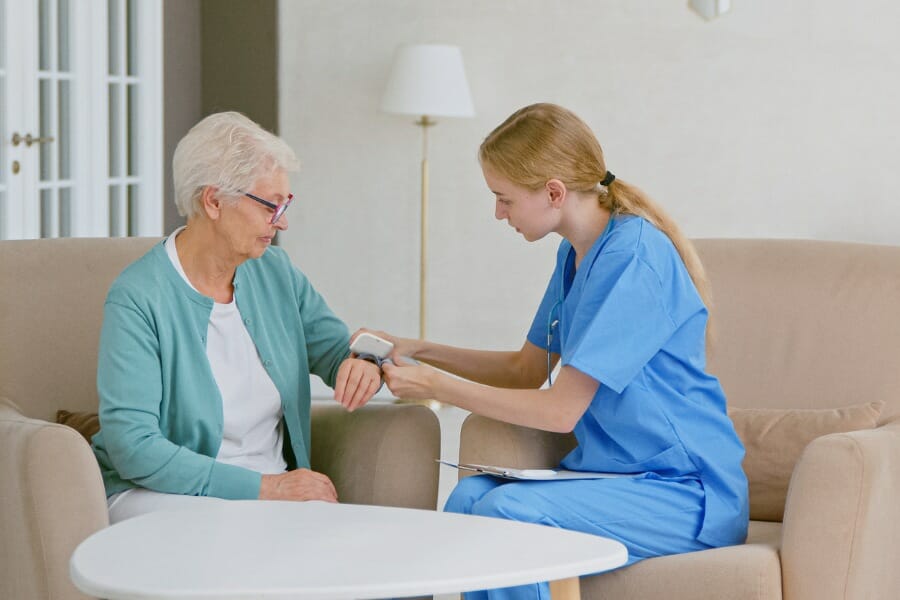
282 223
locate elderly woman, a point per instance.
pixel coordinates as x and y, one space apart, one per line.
208 341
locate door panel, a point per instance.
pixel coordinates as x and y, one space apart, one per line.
55 84
5 161
80 83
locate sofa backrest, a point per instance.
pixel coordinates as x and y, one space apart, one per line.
799 324
51 309
805 324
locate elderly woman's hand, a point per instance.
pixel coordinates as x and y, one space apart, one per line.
357 382
300 484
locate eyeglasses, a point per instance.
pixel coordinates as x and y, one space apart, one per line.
278 208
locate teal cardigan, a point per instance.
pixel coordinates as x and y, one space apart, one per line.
160 408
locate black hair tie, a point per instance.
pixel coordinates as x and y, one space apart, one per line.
608 179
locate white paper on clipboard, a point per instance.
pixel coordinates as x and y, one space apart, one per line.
534 474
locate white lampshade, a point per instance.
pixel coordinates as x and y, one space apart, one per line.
428 79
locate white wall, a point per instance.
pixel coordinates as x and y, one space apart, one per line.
780 119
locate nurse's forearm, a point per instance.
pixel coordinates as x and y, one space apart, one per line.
493 368
556 409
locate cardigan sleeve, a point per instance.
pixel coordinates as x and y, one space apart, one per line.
130 385
327 337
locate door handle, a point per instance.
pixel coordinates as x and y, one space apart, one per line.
41 140
29 139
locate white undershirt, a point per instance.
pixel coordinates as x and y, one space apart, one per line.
251 405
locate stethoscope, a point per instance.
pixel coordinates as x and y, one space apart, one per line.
553 323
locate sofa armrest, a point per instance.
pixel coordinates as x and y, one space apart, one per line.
382 454
485 441
841 534
52 498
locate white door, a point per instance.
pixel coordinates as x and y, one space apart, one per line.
80 118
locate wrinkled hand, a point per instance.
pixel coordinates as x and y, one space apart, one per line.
402 346
410 382
357 382
301 484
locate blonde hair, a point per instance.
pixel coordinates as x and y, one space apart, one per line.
545 141
228 151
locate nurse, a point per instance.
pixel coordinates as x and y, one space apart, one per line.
626 313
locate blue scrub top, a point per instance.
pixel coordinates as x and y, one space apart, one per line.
631 318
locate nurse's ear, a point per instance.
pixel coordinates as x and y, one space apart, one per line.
556 192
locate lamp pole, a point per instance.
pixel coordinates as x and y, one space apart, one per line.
424 123
427 79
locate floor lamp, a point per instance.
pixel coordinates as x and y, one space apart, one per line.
427 80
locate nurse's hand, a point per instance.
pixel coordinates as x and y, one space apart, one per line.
357 382
402 346
300 484
410 382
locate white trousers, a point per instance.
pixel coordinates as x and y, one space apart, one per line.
139 501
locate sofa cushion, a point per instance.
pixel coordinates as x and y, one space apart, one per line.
751 571
55 360
774 439
85 423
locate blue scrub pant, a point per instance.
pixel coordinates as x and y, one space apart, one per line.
652 517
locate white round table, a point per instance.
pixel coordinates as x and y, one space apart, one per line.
282 550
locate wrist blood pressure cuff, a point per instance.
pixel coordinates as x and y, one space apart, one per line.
372 359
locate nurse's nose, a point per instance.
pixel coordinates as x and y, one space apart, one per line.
499 211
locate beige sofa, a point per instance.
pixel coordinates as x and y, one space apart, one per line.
799 325
51 494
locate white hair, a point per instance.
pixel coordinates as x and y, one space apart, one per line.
228 151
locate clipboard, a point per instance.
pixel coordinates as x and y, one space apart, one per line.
534 474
